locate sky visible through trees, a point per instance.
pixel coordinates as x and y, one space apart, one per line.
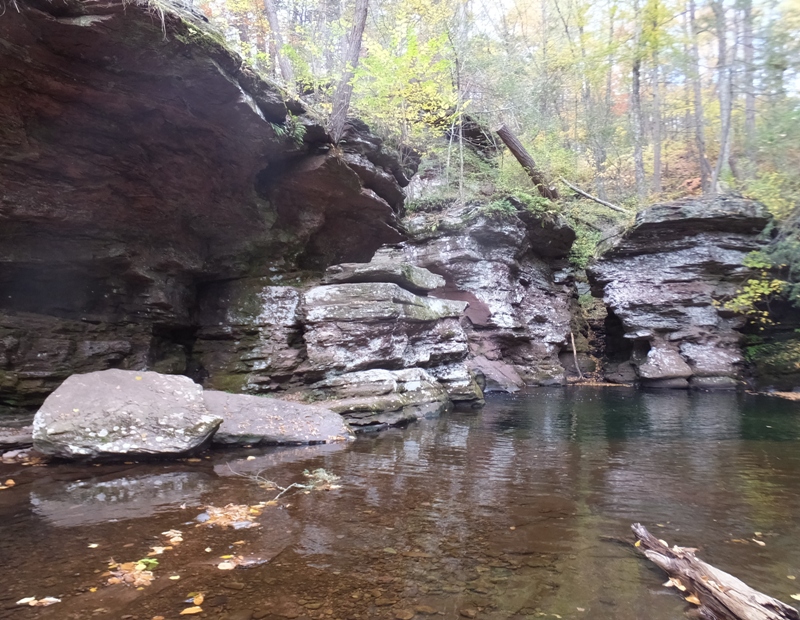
634 100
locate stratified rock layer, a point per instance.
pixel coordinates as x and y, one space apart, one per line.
143 164
511 270
375 398
664 280
118 412
353 327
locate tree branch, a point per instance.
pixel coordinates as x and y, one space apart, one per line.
590 197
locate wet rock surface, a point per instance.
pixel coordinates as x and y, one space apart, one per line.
409 277
250 339
258 420
353 327
142 164
510 269
381 397
665 279
117 412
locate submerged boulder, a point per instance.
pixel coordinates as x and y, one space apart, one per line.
664 282
117 412
251 420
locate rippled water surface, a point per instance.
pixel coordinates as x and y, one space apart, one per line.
512 512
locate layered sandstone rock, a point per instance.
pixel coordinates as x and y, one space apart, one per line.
144 166
353 327
511 269
256 420
378 397
664 282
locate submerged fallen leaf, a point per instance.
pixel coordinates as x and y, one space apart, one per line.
795 596
226 565
174 577
9 483
692 599
198 600
760 543
232 515
792 577
93 546
191 610
638 543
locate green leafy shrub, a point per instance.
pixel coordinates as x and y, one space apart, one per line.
752 299
585 245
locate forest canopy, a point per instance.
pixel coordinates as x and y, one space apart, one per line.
634 100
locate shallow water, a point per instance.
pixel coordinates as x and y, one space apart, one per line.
511 512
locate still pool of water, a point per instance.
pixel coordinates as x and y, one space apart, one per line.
515 511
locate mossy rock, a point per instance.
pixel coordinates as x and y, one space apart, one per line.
777 364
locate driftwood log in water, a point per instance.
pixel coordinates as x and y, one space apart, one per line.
720 596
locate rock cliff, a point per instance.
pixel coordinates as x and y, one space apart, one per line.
663 282
512 269
142 166
164 207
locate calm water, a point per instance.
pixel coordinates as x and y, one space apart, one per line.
511 512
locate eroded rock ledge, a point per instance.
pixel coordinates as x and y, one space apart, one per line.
141 163
663 282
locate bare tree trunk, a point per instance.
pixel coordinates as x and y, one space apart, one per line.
527 162
749 87
716 593
657 138
341 99
724 92
636 107
699 116
286 67
636 122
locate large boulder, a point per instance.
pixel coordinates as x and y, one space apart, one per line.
664 282
117 412
352 327
376 398
252 420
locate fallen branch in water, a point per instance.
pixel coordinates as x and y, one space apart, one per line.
719 596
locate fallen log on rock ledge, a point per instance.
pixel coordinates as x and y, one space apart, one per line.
719 596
